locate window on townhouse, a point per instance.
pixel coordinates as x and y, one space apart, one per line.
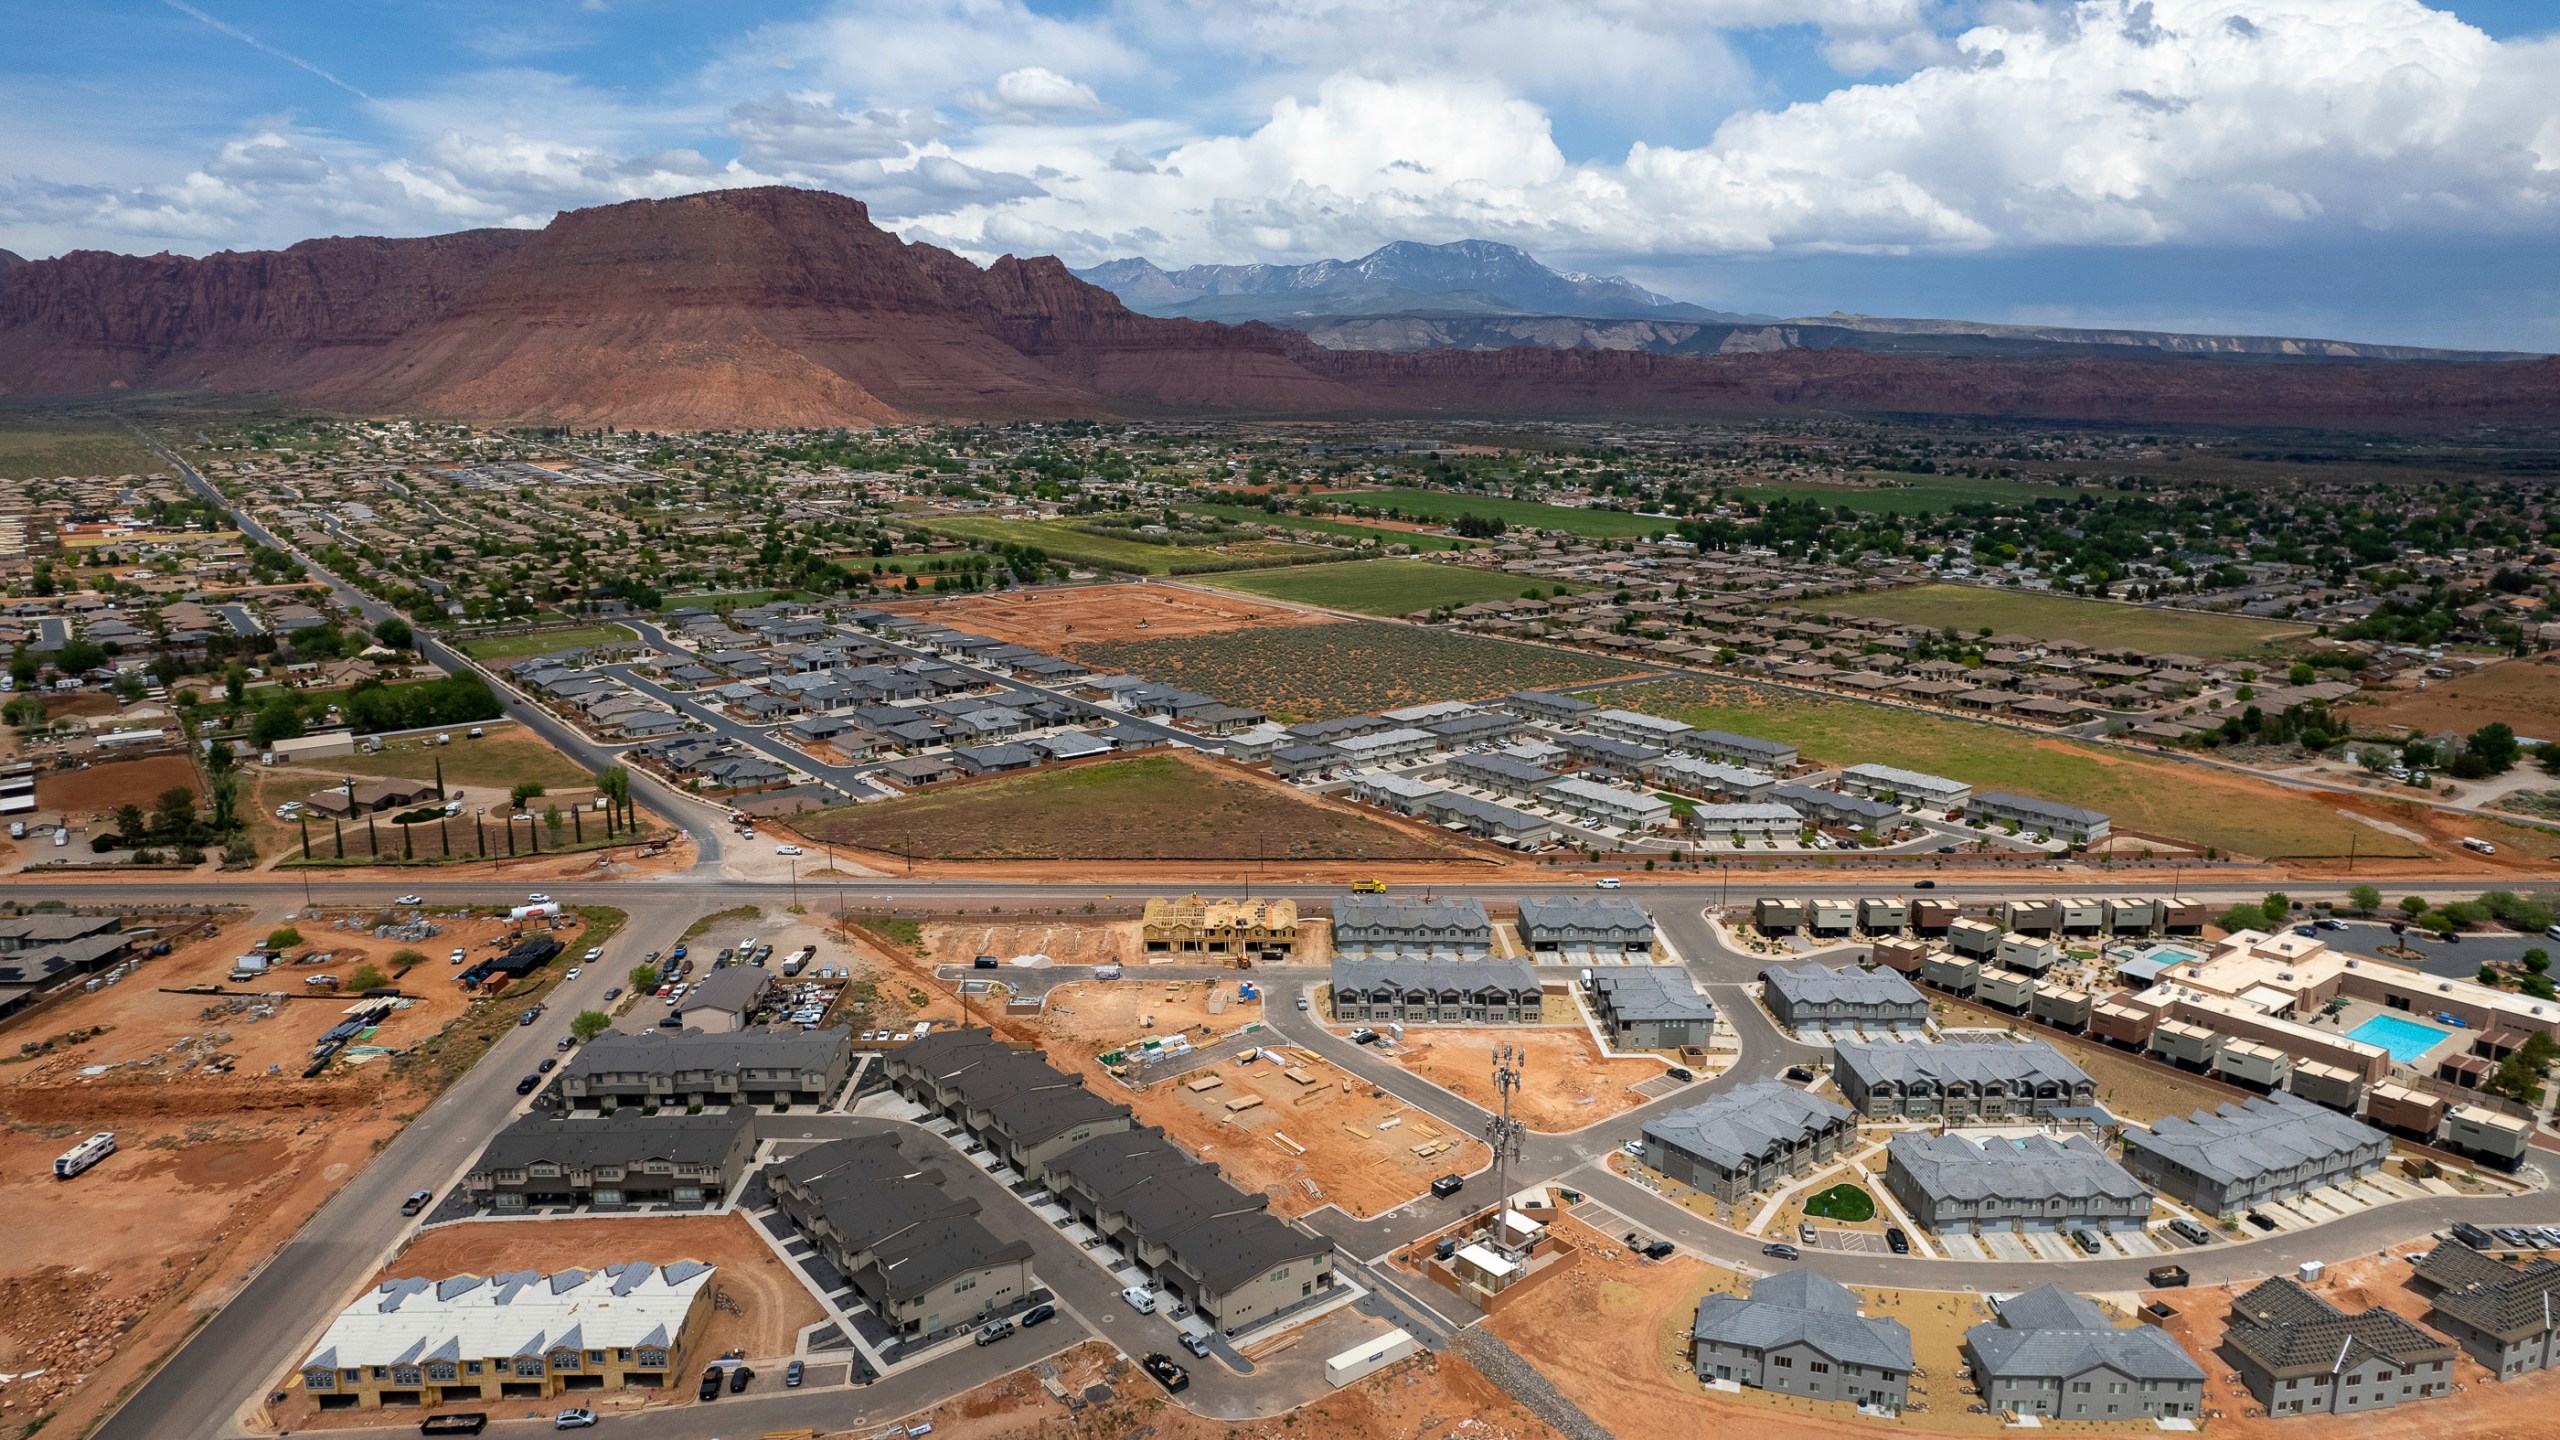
1783 1362
1819 1367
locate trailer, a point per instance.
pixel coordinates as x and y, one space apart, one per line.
85 1154
1369 1357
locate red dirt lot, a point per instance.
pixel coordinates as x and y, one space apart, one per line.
1565 1082
214 1169
1048 619
102 787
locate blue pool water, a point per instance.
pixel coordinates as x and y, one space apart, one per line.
2169 955
2405 1039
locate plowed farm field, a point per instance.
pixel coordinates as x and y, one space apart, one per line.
1316 672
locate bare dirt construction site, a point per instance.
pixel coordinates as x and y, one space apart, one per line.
219 1160
1565 1083
1429 1397
99 789
1064 941
1047 619
1295 1128
772 1307
2524 693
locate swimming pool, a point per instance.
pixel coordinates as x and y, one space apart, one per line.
2405 1039
2169 955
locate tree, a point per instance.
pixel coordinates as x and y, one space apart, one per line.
552 820
368 977
588 1024
2301 673
394 634
2537 960
2519 1076
2492 747
278 719
2243 916
644 977
2413 905
405 959
525 790
176 815
131 823
25 712
284 937
2364 898
2276 907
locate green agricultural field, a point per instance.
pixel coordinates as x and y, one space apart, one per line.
544 642
1315 672
2187 804
1909 494
1380 587
1149 807
1072 546
1445 505
29 448
1349 530
1972 609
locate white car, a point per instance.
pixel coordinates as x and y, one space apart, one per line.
594 954
460 955
537 898
574 972
573 1420
410 900
1610 883
786 849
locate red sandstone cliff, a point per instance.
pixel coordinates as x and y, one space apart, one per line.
780 306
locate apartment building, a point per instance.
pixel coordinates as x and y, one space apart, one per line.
1814 994
1801 1332
2506 1316
1748 1139
1649 1007
1022 1107
1934 793
679 1070
2300 1355
1436 992
2076 824
1961 1081
2263 1149
1594 803
518 1336
2056 1355
1955 1183
1220 929
665 1160
1401 924
1607 925
885 1220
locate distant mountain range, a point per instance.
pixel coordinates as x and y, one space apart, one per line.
1484 295
787 307
1464 277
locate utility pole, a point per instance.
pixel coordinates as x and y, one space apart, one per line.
1502 1132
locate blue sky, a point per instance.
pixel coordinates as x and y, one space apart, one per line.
2376 169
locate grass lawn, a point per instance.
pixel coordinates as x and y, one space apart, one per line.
1971 609
508 756
1349 530
731 599
1150 807
29 448
1315 672
544 642
1910 494
1848 1203
2185 803
1446 505
1379 587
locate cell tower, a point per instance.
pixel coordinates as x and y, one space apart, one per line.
1501 1131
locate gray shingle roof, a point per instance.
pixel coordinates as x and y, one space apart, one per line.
1651 992
1465 976
576 1144
2490 1295
1743 1123
2262 1133
1540 913
2030 1167
2050 1333
2289 1330
1804 1307
1813 983
1970 1062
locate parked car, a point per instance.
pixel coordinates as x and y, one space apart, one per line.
528 1017
711 1383
1924 884
1171 1376
2327 923
1800 1074
786 850
567 1043
1364 1037
738 1379
458 956
528 1084
1448 1185
1776 1251
612 993
2087 1241
410 900
1805 1233
573 1420
677 953
1140 1298
2259 1218
418 1200
1896 1240
1680 1073
547 1066
1657 1250
794 1373
1196 1344
990 1334
1039 1315
2189 1231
